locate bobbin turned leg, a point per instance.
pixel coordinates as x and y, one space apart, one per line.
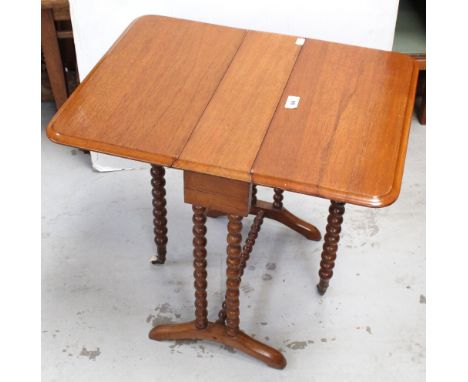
245 255
278 198
229 333
233 273
234 198
189 330
330 245
159 212
199 264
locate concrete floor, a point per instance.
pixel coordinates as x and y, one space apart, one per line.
101 296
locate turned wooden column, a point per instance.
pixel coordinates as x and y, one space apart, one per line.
199 264
245 255
233 273
159 212
278 198
330 245
250 242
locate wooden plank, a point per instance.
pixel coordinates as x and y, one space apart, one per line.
61 13
347 138
54 3
216 193
228 136
420 59
65 34
147 93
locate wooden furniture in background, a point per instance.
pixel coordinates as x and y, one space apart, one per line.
410 38
421 107
210 100
58 48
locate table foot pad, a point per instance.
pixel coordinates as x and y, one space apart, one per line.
282 215
217 332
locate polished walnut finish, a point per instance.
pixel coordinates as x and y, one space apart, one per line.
217 332
330 245
347 138
233 262
241 108
284 216
217 193
199 264
197 95
210 100
159 212
168 71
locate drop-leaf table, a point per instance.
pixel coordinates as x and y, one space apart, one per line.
234 109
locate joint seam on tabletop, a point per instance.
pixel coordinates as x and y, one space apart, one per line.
211 98
276 108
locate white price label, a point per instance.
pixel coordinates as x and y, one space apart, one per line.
292 102
300 41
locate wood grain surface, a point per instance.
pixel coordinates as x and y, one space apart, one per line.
210 99
146 95
216 331
51 49
217 193
228 136
347 139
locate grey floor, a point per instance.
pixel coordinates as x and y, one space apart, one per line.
101 296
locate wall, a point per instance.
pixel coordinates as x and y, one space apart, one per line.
98 23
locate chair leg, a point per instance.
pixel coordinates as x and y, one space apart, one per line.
330 245
159 212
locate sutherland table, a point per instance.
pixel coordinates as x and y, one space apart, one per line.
215 102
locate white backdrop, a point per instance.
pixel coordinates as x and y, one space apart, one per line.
98 23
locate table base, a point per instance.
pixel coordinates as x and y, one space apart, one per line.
201 191
281 215
216 331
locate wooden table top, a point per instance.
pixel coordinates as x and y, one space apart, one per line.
211 99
